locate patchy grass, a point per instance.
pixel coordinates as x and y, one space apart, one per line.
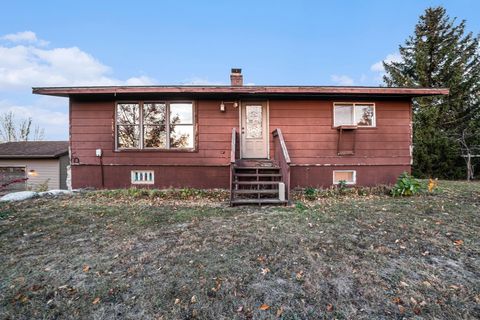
110 256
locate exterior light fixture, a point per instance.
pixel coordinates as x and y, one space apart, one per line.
32 173
222 105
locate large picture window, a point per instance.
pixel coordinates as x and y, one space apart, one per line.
155 125
354 114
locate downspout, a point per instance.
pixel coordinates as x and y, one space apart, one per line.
101 172
99 154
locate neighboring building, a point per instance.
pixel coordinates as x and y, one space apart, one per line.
29 165
183 136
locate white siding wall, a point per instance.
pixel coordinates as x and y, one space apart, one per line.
45 169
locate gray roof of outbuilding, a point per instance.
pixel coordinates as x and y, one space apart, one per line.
33 149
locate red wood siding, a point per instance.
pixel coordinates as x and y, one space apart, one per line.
92 127
311 176
165 176
307 127
381 154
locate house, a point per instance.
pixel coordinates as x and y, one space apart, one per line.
33 165
259 141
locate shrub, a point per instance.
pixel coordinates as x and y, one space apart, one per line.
310 193
342 186
406 185
164 194
300 206
42 187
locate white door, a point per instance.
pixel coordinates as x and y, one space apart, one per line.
254 132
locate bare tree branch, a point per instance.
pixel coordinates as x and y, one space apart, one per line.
13 130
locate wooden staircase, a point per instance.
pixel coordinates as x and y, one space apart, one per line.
257 182
260 181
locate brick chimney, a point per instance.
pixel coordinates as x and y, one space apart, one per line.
236 78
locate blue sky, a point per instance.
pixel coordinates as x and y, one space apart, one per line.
61 43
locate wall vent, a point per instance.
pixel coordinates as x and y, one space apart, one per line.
349 176
142 177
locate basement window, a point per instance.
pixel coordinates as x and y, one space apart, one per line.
142 177
349 176
155 125
354 114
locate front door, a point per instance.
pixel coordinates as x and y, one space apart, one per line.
254 132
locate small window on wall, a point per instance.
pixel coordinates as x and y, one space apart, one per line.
349 176
142 177
354 114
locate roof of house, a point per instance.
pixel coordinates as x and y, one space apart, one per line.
33 149
250 91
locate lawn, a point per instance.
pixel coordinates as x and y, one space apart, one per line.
106 255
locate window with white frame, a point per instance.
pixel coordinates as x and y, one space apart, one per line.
354 114
155 125
349 176
142 177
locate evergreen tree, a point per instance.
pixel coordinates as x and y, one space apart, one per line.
441 54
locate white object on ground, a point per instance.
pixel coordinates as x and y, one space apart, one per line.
19 196
25 195
55 192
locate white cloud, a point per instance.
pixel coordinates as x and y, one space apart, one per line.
139 81
24 37
342 80
199 81
378 66
26 63
23 67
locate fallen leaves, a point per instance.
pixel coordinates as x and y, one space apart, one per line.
69 289
299 276
96 300
458 243
330 307
21 297
432 184
265 271
86 268
261 259
218 284
264 307
397 300
279 312
417 310
193 299
426 283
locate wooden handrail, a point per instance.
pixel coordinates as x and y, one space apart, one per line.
233 146
278 133
283 159
233 158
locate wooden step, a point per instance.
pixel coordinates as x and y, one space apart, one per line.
257 168
256 182
258 175
253 191
257 201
